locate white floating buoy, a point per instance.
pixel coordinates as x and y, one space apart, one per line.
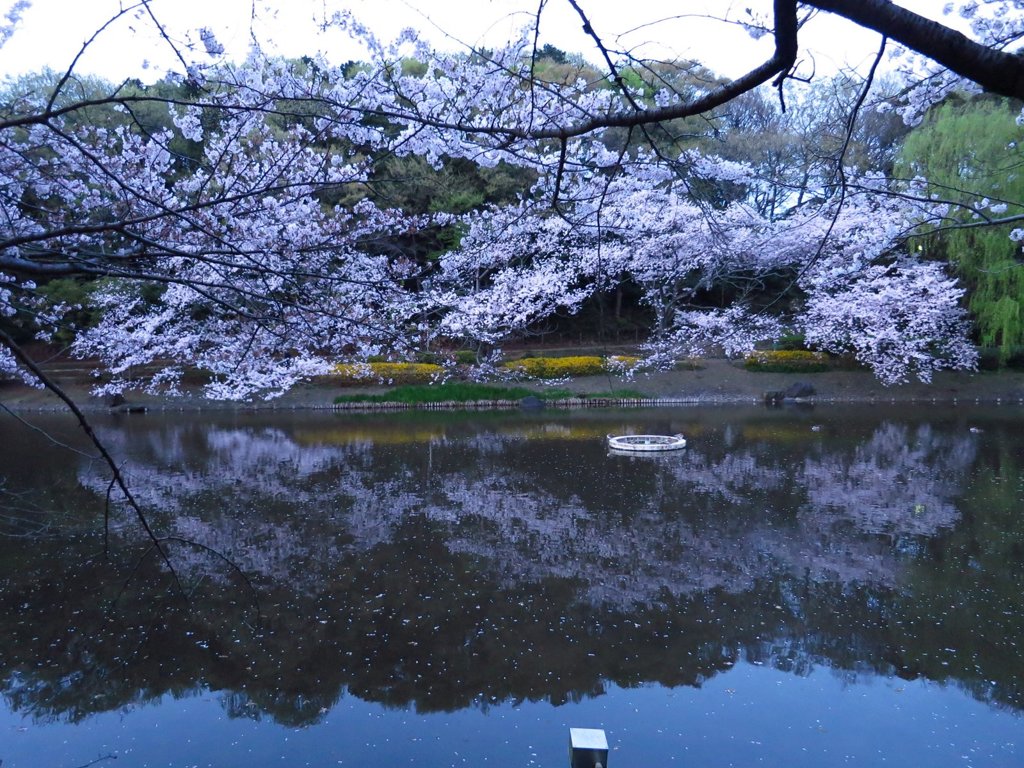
646 443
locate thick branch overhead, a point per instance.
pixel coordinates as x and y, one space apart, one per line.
994 70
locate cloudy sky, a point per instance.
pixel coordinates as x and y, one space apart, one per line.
51 32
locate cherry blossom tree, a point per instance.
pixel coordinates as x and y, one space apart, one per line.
237 257
232 262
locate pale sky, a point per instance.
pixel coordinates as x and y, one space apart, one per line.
52 31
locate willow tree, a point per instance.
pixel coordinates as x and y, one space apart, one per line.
969 150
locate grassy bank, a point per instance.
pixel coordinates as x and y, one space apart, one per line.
468 392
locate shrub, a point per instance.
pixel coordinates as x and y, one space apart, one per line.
390 373
428 357
465 357
557 367
791 342
787 361
998 358
988 359
1015 359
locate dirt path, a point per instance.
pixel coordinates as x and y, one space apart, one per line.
727 380
717 381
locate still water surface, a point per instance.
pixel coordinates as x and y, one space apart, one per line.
837 586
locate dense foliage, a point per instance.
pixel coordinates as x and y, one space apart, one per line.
970 153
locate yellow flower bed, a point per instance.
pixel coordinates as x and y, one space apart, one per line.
558 367
389 373
787 361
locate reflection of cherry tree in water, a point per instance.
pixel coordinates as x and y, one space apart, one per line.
439 573
247 493
897 485
900 483
652 528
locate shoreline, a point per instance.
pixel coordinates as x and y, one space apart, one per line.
717 382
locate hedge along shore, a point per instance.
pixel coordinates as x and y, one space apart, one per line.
717 382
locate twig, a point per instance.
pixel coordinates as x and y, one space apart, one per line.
44 433
86 426
99 759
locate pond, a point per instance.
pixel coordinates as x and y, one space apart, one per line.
798 587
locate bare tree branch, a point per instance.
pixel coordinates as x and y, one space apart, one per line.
994 70
86 426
